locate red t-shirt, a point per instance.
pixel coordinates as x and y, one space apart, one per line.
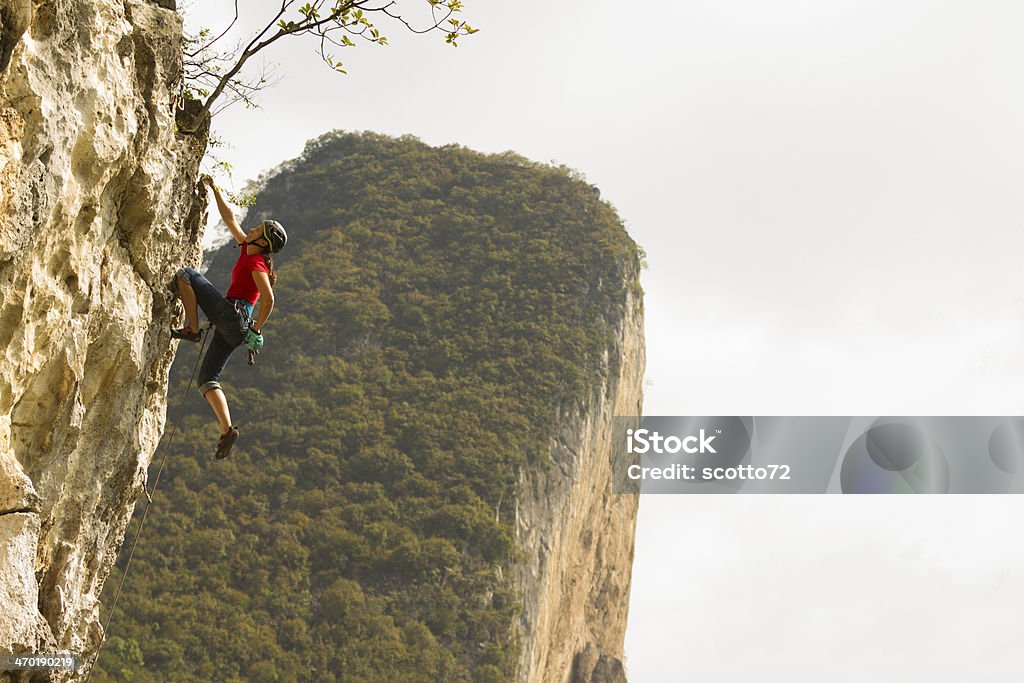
242 284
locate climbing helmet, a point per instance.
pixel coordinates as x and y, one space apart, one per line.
274 233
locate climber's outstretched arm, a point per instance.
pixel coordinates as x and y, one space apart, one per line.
225 211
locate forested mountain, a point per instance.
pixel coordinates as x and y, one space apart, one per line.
436 310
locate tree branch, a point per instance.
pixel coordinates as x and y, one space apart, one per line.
222 34
203 67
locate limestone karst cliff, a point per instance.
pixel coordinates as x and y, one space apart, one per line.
97 210
99 207
423 474
577 535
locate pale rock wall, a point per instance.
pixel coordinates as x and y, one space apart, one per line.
576 535
97 211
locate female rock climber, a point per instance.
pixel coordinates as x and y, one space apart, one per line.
252 279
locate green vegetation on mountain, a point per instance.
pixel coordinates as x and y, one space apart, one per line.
436 309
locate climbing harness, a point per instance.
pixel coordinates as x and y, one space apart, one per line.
145 513
247 323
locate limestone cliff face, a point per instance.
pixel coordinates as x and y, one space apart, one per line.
577 536
97 211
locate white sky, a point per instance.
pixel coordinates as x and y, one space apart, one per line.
827 192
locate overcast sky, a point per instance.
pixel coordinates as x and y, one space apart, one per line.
829 197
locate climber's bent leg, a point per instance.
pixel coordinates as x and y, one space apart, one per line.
202 292
188 300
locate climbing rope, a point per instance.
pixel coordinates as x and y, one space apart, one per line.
142 522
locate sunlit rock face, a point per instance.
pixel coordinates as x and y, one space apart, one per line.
576 534
98 208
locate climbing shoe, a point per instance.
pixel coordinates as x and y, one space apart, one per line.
187 334
225 443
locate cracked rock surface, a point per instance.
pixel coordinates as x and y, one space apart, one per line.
98 208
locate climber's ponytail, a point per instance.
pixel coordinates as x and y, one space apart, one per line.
270 265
